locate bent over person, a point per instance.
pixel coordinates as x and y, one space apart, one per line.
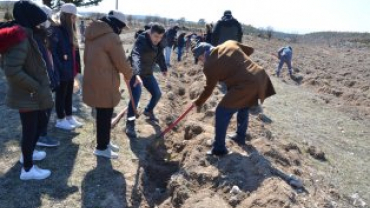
247 84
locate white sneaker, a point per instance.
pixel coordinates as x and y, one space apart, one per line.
65 125
37 155
74 122
108 153
113 147
35 173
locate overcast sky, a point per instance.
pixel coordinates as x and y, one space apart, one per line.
286 15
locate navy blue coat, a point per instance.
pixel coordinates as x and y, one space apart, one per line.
61 46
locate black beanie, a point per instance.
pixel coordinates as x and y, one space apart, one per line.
28 14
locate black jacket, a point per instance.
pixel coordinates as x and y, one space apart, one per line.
226 29
145 55
170 36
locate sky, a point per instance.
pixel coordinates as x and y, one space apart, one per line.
291 16
294 16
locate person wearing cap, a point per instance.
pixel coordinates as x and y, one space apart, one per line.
66 58
170 37
28 83
42 37
285 55
247 83
228 28
105 60
147 51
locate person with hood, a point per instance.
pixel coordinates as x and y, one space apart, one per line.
247 84
147 52
285 55
28 83
42 36
170 37
208 35
180 46
228 28
66 57
105 60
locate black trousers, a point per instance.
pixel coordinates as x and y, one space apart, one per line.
63 99
44 128
103 127
32 124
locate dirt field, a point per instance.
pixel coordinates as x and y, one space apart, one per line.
319 132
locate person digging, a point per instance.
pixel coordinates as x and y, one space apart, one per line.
247 84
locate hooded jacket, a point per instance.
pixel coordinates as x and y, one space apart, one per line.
25 71
226 29
247 83
104 60
145 55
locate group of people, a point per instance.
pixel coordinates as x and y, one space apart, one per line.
42 56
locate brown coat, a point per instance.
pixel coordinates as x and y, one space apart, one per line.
104 59
246 81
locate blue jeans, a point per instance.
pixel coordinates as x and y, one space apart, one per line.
167 54
288 61
151 84
179 53
223 117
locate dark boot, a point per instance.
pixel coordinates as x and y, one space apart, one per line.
130 129
150 116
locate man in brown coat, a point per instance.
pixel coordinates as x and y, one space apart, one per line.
104 60
247 83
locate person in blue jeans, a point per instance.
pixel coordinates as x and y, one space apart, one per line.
180 46
285 55
147 51
247 84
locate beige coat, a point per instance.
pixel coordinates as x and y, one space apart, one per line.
104 59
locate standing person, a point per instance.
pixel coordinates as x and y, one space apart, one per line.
170 40
180 46
42 36
66 58
28 83
247 84
285 55
228 28
82 31
147 51
104 60
208 36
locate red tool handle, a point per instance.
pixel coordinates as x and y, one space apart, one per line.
177 121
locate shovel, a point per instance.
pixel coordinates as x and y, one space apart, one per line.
175 122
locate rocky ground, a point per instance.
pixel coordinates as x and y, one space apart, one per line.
309 149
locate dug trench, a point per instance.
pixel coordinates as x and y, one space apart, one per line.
176 172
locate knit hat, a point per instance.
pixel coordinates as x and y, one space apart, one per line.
227 13
69 8
28 14
200 49
118 16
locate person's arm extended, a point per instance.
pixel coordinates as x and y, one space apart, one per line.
216 34
211 83
136 55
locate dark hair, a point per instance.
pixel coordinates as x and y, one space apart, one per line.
157 28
